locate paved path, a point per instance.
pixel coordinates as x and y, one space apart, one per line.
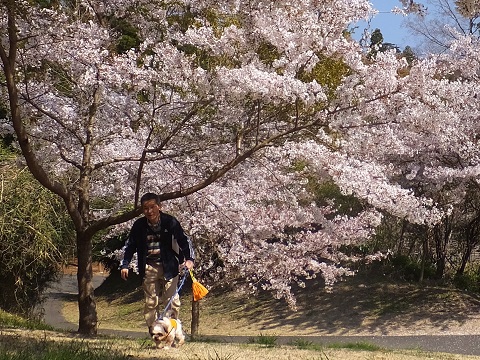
456 344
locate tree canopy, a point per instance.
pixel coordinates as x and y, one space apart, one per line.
443 22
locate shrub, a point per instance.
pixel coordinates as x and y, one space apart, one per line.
35 232
469 281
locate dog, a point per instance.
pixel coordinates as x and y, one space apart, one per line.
167 332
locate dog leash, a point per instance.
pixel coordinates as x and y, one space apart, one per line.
176 293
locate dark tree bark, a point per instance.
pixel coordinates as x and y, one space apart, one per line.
195 318
87 308
472 239
441 234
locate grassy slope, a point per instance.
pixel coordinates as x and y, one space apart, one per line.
19 343
355 306
359 306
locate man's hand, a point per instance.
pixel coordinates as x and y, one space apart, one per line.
124 274
189 264
186 265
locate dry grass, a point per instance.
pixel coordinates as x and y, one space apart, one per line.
354 308
138 350
357 307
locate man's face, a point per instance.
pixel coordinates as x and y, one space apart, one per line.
151 210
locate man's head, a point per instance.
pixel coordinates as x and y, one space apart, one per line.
151 207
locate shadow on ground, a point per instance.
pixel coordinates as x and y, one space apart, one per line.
355 306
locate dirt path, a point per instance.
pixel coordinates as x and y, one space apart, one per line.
65 289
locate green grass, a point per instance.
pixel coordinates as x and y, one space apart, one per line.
265 340
14 321
218 355
17 345
306 345
309 345
44 350
363 346
129 309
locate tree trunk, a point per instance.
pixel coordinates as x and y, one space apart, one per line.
402 236
465 258
424 257
195 317
472 238
441 234
86 302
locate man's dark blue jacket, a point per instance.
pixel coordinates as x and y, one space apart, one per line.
175 246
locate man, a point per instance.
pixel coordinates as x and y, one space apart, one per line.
163 250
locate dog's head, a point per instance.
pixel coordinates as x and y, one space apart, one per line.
162 330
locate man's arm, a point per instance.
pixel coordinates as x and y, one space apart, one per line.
186 251
130 249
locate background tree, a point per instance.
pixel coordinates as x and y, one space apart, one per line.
409 54
445 21
377 44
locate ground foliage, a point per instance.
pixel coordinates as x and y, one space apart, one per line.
21 342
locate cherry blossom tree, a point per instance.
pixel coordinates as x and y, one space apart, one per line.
225 109
445 21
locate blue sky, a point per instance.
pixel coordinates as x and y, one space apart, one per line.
391 25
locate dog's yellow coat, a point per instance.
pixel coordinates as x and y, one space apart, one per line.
174 323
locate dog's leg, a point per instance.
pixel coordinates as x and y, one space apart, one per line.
180 340
180 335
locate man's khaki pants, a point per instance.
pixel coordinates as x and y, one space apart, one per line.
158 293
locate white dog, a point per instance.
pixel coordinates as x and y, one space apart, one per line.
167 332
